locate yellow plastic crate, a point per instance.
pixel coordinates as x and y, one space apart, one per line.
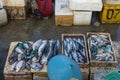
110 13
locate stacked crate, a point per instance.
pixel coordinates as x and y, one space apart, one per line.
16 9
110 12
76 12
94 64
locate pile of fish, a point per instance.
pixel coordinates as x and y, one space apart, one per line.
74 47
100 48
33 56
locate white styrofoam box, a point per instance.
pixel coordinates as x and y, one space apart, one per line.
90 5
112 1
82 17
62 8
14 2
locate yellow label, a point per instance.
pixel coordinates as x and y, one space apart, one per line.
111 14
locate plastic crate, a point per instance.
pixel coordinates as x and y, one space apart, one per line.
114 75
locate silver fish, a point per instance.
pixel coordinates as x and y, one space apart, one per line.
19 65
34 59
74 55
41 48
58 47
19 50
13 57
45 58
37 44
65 52
36 66
28 63
26 45
13 66
19 57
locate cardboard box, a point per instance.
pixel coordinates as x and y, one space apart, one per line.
63 15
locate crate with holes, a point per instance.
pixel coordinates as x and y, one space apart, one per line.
74 46
110 12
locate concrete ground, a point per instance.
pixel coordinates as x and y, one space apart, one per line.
32 30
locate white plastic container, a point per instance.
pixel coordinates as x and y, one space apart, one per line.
90 5
82 17
3 15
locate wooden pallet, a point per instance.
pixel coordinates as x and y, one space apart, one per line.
94 63
12 75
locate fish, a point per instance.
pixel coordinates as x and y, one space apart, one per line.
36 66
23 65
74 55
59 48
41 48
13 57
44 60
37 44
65 52
75 49
80 57
28 63
19 50
13 66
27 45
108 49
47 56
81 43
34 59
19 65
21 57
100 48
102 56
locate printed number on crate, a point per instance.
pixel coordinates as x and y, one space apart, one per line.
112 13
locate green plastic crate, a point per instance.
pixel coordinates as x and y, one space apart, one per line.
114 75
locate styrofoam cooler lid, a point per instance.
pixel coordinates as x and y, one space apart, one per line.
62 67
62 7
89 5
15 3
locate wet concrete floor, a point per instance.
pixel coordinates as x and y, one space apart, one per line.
32 29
